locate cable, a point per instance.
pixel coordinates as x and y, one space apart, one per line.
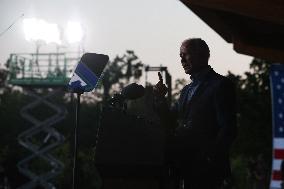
2 33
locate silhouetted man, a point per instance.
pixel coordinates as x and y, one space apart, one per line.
204 117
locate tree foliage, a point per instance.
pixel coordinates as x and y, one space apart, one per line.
254 109
253 119
120 71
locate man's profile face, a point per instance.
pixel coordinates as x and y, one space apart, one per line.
189 60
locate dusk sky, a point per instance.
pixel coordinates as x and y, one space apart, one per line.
154 29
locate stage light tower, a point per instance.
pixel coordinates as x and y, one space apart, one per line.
40 32
75 34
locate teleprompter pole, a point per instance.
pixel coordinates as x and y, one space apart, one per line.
75 169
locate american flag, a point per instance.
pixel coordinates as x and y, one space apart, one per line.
277 89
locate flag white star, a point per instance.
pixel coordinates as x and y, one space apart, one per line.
280 115
278 87
281 129
280 100
282 80
276 73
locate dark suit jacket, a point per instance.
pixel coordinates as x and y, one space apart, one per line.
206 124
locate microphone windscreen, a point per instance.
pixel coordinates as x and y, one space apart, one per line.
133 91
87 72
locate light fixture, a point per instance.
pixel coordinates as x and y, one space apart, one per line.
39 30
74 32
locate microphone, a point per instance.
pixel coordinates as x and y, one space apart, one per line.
133 91
130 92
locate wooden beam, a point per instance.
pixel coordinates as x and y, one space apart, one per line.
213 20
244 47
269 10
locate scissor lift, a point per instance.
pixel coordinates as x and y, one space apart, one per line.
35 73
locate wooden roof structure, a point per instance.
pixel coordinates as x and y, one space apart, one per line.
254 27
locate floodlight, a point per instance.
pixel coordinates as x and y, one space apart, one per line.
36 29
74 32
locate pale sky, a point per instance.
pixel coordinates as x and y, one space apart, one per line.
154 29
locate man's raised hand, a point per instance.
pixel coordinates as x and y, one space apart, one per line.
160 89
160 77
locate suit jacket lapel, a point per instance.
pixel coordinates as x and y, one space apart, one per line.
183 98
184 103
201 87
198 91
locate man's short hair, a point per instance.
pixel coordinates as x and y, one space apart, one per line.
198 46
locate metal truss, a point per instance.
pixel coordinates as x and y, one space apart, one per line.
41 147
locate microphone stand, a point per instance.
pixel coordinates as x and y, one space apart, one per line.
75 169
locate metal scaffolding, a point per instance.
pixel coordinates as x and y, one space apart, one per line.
41 70
34 73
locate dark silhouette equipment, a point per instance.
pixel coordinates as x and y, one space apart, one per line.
130 92
84 79
129 147
133 91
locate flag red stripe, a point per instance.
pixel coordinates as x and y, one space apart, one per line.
278 154
276 175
